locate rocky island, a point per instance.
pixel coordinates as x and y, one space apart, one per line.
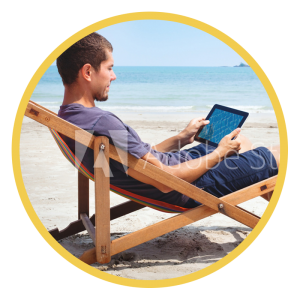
242 65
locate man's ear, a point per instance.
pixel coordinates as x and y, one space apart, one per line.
86 72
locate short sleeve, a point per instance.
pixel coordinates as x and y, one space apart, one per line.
120 135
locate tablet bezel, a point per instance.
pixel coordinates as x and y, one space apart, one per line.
224 108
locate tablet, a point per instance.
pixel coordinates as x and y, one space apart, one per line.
223 120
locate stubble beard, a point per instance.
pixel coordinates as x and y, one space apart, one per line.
101 99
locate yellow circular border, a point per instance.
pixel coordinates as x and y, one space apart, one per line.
133 17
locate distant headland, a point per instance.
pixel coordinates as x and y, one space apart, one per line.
241 65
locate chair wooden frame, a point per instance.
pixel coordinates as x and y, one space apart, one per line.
98 226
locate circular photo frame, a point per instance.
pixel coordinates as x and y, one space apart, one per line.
165 17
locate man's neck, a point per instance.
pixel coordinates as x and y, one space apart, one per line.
76 94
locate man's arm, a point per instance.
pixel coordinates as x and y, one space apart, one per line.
193 169
185 137
172 144
188 171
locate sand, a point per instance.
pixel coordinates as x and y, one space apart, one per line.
51 184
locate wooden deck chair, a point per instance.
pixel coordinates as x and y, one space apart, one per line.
98 226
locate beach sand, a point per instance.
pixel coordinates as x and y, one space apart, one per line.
51 184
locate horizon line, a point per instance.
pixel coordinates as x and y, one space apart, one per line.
178 66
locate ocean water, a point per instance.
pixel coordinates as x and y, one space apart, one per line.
169 90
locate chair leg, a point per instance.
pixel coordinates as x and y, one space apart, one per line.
83 195
77 226
89 226
267 196
102 201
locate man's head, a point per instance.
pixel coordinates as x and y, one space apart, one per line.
92 50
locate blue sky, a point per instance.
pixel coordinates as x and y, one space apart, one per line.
164 43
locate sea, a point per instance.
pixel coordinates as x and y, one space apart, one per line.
169 90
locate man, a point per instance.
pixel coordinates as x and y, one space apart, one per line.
86 71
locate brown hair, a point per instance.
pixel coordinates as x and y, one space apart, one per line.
89 50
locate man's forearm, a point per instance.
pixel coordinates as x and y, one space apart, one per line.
172 144
193 169
190 170
185 137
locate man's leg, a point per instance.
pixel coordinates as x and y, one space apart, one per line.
239 171
275 150
246 144
276 153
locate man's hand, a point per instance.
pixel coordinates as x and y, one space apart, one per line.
187 135
227 146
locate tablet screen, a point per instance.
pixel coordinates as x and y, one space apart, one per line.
221 123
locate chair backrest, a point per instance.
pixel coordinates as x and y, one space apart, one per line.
158 205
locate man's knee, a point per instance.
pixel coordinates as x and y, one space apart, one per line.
245 143
245 139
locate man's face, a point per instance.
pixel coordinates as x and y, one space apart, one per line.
102 79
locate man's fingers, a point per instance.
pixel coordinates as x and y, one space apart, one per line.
234 133
200 119
204 121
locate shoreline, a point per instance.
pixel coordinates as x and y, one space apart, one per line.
264 118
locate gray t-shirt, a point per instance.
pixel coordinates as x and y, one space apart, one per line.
104 123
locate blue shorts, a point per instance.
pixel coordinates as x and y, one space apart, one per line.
233 173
